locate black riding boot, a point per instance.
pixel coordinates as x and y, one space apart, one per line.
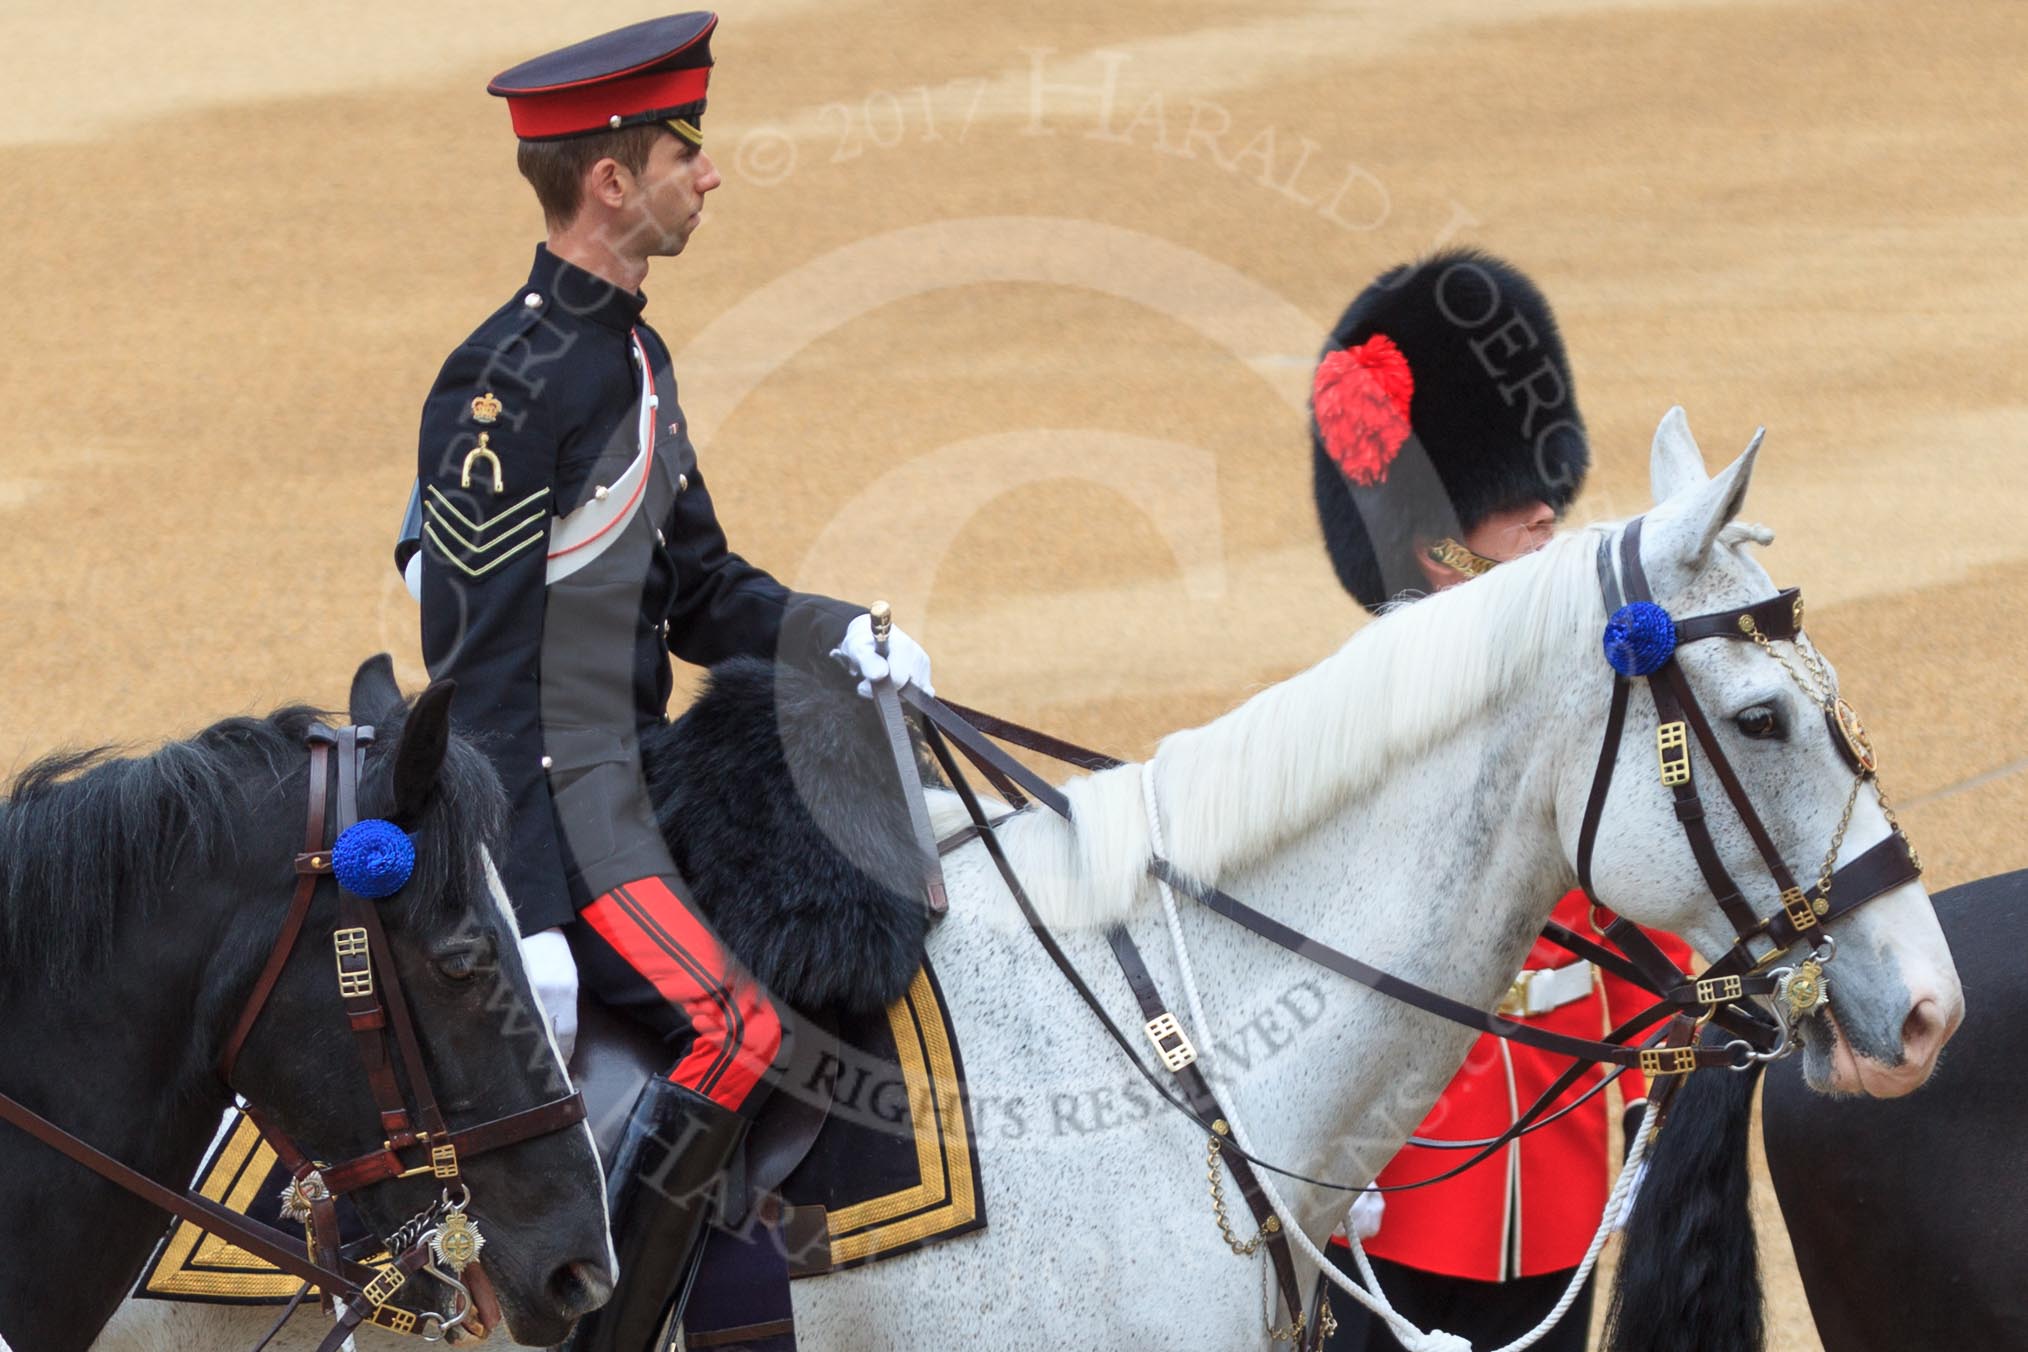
662 1189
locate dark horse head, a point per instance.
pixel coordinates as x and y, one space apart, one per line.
138 901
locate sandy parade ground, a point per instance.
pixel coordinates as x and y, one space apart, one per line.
1007 313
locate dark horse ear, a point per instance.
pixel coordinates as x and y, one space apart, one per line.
375 695
419 755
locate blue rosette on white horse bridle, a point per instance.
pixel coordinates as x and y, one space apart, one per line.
1639 638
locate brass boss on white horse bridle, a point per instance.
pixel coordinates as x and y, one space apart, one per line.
1641 641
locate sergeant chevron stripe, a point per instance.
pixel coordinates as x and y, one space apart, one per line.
471 556
440 501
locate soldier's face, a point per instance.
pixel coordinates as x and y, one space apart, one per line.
671 191
1507 535
1504 536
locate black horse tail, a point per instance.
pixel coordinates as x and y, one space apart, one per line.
1689 1272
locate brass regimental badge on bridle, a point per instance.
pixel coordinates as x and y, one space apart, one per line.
457 1242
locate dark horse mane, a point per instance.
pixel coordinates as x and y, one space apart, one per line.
1689 1272
778 796
776 792
90 839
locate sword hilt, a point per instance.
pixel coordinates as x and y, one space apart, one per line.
883 625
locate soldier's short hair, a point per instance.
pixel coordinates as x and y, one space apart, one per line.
555 169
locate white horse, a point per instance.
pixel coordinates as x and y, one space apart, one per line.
1413 800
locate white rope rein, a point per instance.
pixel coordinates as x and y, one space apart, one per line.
1411 1338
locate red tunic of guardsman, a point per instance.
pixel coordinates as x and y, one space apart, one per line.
564 545
1447 440
1532 1209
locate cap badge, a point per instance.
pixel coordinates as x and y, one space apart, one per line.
1361 398
485 408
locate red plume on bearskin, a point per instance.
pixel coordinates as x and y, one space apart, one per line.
1361 399
1451 367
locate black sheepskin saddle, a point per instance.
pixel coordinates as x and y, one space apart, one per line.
778 795
784 812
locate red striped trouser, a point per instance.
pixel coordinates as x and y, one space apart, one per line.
642 950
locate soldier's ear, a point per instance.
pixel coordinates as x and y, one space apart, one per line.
375 696
419 755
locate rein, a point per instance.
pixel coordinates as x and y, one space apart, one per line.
441 1240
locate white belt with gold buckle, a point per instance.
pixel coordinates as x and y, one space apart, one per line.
1537 991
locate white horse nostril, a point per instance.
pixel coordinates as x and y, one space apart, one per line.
1924 1032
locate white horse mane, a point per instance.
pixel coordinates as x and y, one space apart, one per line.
1235 789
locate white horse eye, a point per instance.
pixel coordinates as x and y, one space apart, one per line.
1761 722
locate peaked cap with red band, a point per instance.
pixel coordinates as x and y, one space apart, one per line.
1442 396
654 71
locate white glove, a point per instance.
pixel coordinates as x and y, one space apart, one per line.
906 662
1363 1219
553 973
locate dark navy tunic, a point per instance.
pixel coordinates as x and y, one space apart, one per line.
556 682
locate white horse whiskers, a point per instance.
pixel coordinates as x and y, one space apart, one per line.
1413 800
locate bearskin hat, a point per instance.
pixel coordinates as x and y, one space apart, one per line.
1442 397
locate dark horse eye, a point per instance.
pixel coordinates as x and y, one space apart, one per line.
1760 722
459 965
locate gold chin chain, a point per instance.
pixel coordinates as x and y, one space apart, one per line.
1453 554
1291 1332
1272 1225
1823 692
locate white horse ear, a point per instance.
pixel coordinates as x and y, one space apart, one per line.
1690 525
1675 465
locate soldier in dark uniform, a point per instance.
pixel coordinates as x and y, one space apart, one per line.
564 545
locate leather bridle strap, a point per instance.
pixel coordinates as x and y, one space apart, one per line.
1722 988
1030 740
1204 1101
1881 868
1886 864
383 1165
362 964
310 864
365 1292
374 1023
263 1242
1407 992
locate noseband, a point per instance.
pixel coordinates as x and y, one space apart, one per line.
1651 641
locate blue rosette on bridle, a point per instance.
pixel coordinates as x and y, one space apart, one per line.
1639 638
373 858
